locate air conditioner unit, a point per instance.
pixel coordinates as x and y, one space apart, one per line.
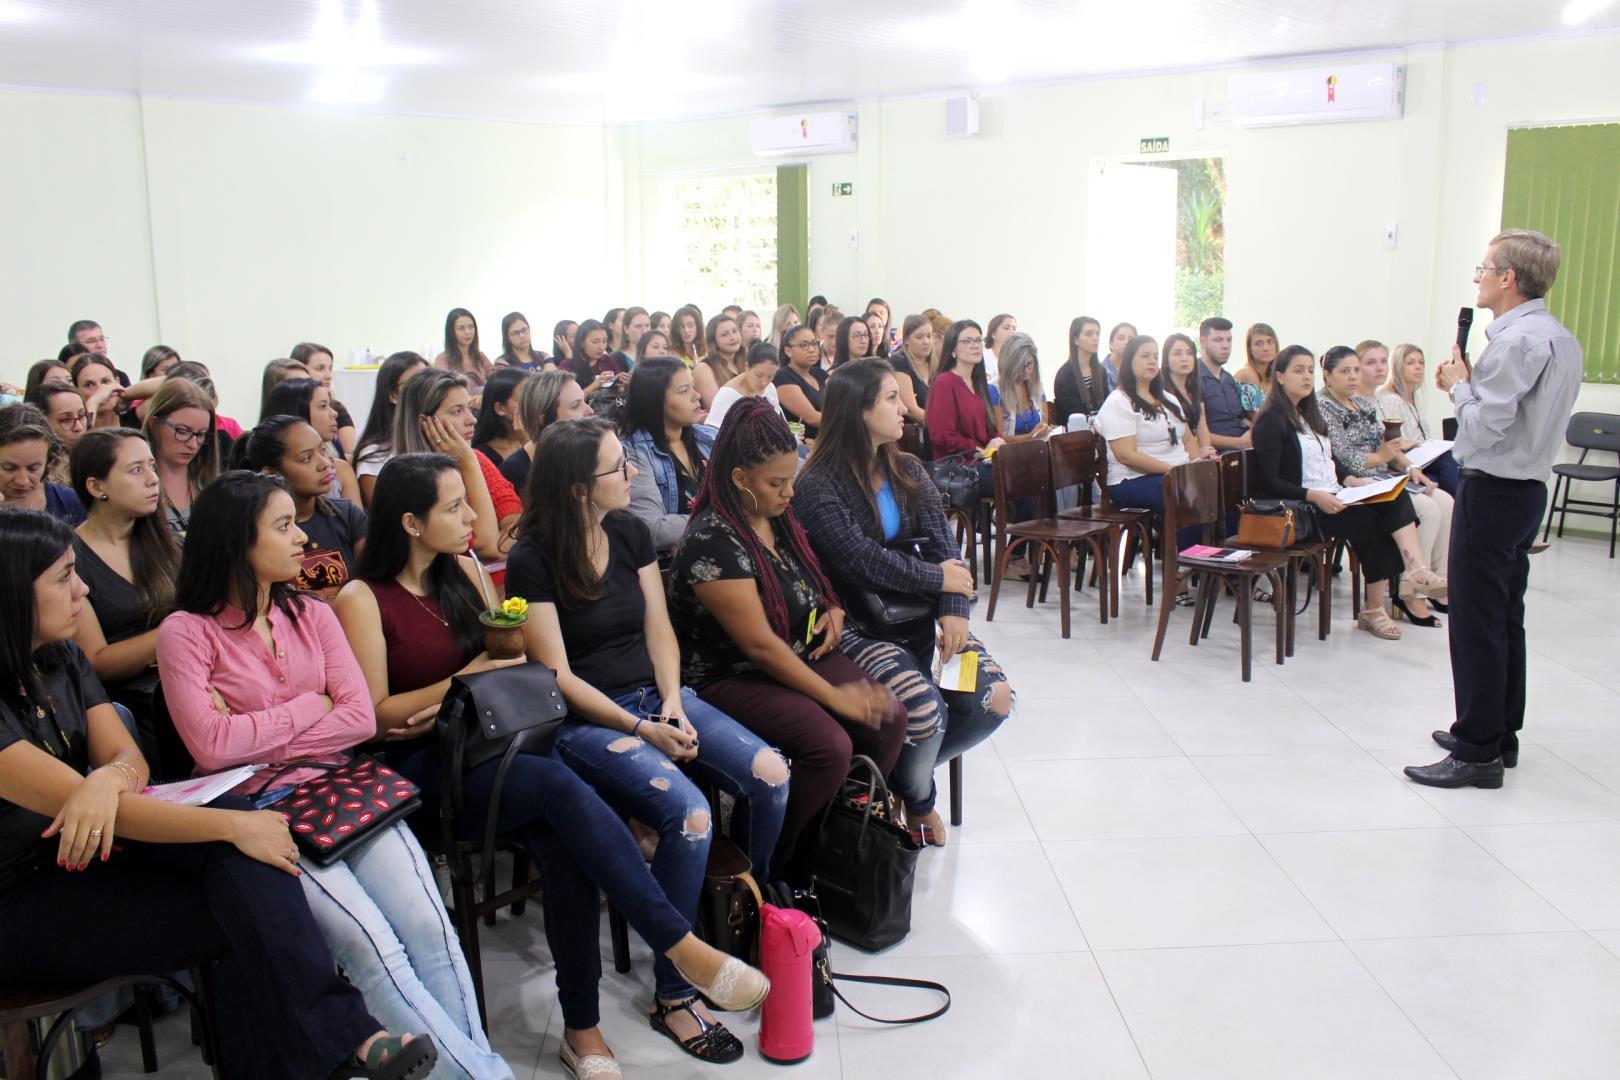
1321 95
804 133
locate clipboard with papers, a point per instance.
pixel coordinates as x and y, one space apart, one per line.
1378 491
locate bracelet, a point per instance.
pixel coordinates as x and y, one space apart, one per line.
128 771
637 728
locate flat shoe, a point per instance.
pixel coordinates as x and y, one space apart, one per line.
713 1043
589 1067
736 986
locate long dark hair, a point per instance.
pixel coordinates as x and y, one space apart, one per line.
1192 398
475 359
32 541
980 382
499 390
841 353
507 322
676 346
1307 413
154 551
843 443
583 369
42 368
1093 397
380 422
214 564
644 408
1128 382
556 515
290 397
880 341
409 484
263 448
752 432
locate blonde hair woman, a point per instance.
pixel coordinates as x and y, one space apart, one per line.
1397 400
1021 404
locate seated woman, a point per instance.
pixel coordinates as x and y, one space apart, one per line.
1397 401
961 415
499 432
435 417
179 424
1254 377
395 372
317 360
1294 460
757 380
591 363
160 887
800 379
129 557
851 341
41 372
255 673
543 400
1146 433
913 365
311 402
760 625
1357 439
334 528
1081 384
1019 401
722 358
669 445
597 617
96 380
858 495
28 455
64 411
1179 380
412 615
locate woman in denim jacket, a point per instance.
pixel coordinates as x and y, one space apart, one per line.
669 445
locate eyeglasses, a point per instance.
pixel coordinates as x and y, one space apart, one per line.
72 420
185 434
622 468
970 341
1479 271
807 344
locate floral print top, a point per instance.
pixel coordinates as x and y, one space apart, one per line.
712 551
1354 432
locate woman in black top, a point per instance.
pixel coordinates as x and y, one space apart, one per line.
308 400
500 433
157 886
597 617
1081 384
799 381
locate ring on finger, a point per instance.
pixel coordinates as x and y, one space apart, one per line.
95 834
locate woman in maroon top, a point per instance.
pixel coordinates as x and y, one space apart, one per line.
411 615
960 417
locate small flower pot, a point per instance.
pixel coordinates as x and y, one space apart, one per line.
503 639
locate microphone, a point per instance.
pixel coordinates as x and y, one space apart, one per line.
1465 323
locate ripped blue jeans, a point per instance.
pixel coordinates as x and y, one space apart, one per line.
940 724
637 780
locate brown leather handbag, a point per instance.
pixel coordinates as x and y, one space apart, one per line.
1274 524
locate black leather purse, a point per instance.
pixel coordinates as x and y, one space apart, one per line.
493 714
907 619
865 863
957 478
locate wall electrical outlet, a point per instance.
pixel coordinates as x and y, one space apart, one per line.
1391 235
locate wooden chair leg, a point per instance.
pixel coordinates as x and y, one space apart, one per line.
18 1051
1245 604
1282 603
1063 555
521 875
619 931
1147 563
955 770
1164 622
1034 579
143 1024
1324 595
466 901
1291 572
1116 540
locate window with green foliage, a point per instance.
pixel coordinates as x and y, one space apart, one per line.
719 234
1200 238
1565 182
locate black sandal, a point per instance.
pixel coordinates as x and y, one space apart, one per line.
391 1058
713 1042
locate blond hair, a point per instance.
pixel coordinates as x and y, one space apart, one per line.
1395 380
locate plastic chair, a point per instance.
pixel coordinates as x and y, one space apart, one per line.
1588 431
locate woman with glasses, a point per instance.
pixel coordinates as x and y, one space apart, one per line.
179 425
1019 397
799 381
598 618
852 341
28 455
1146 433
64 410
961 413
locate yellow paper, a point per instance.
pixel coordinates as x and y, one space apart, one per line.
960 672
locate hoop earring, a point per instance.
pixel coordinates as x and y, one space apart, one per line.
754 508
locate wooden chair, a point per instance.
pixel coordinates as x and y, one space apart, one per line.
1023 471
21 1007
1237 471
1080 458
1192 496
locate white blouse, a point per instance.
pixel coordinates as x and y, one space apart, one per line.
1317 472
1162 436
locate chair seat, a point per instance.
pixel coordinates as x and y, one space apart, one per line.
1092 513
1261 562
1589 473
1055 529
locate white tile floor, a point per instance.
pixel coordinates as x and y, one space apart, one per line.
1166 873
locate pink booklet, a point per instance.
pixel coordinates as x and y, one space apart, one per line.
200 790
1204 551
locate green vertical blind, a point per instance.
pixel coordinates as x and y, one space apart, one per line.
792 235
1565 182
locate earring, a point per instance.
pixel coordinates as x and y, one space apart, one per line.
417 535
102 497
752 499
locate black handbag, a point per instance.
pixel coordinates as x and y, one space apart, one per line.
865 863
494 714
907 619
957 478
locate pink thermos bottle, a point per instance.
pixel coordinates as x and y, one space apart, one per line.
786 940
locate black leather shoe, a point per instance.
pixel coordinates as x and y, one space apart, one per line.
1452 773
1446 741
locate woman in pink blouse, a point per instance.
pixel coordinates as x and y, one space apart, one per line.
254 672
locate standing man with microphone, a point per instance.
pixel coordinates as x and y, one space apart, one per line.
1512 409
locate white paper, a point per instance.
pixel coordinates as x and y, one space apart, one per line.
1349 495
1425 452
960 672
199 790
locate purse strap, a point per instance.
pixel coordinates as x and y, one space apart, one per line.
452 724
829 979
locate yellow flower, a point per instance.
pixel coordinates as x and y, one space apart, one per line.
515 606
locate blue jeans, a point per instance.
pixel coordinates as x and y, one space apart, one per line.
940 724
1443 471
380 913
1148 491
636 779
579 844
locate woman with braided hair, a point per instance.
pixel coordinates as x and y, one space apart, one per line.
760 625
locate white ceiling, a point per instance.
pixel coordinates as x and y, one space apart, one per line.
626 60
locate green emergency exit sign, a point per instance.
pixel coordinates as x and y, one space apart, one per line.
1158 144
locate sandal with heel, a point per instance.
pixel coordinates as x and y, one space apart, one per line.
1378 623
713 1043
1429 621
392 1058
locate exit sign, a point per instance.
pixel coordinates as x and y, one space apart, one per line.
1159 144
843 189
